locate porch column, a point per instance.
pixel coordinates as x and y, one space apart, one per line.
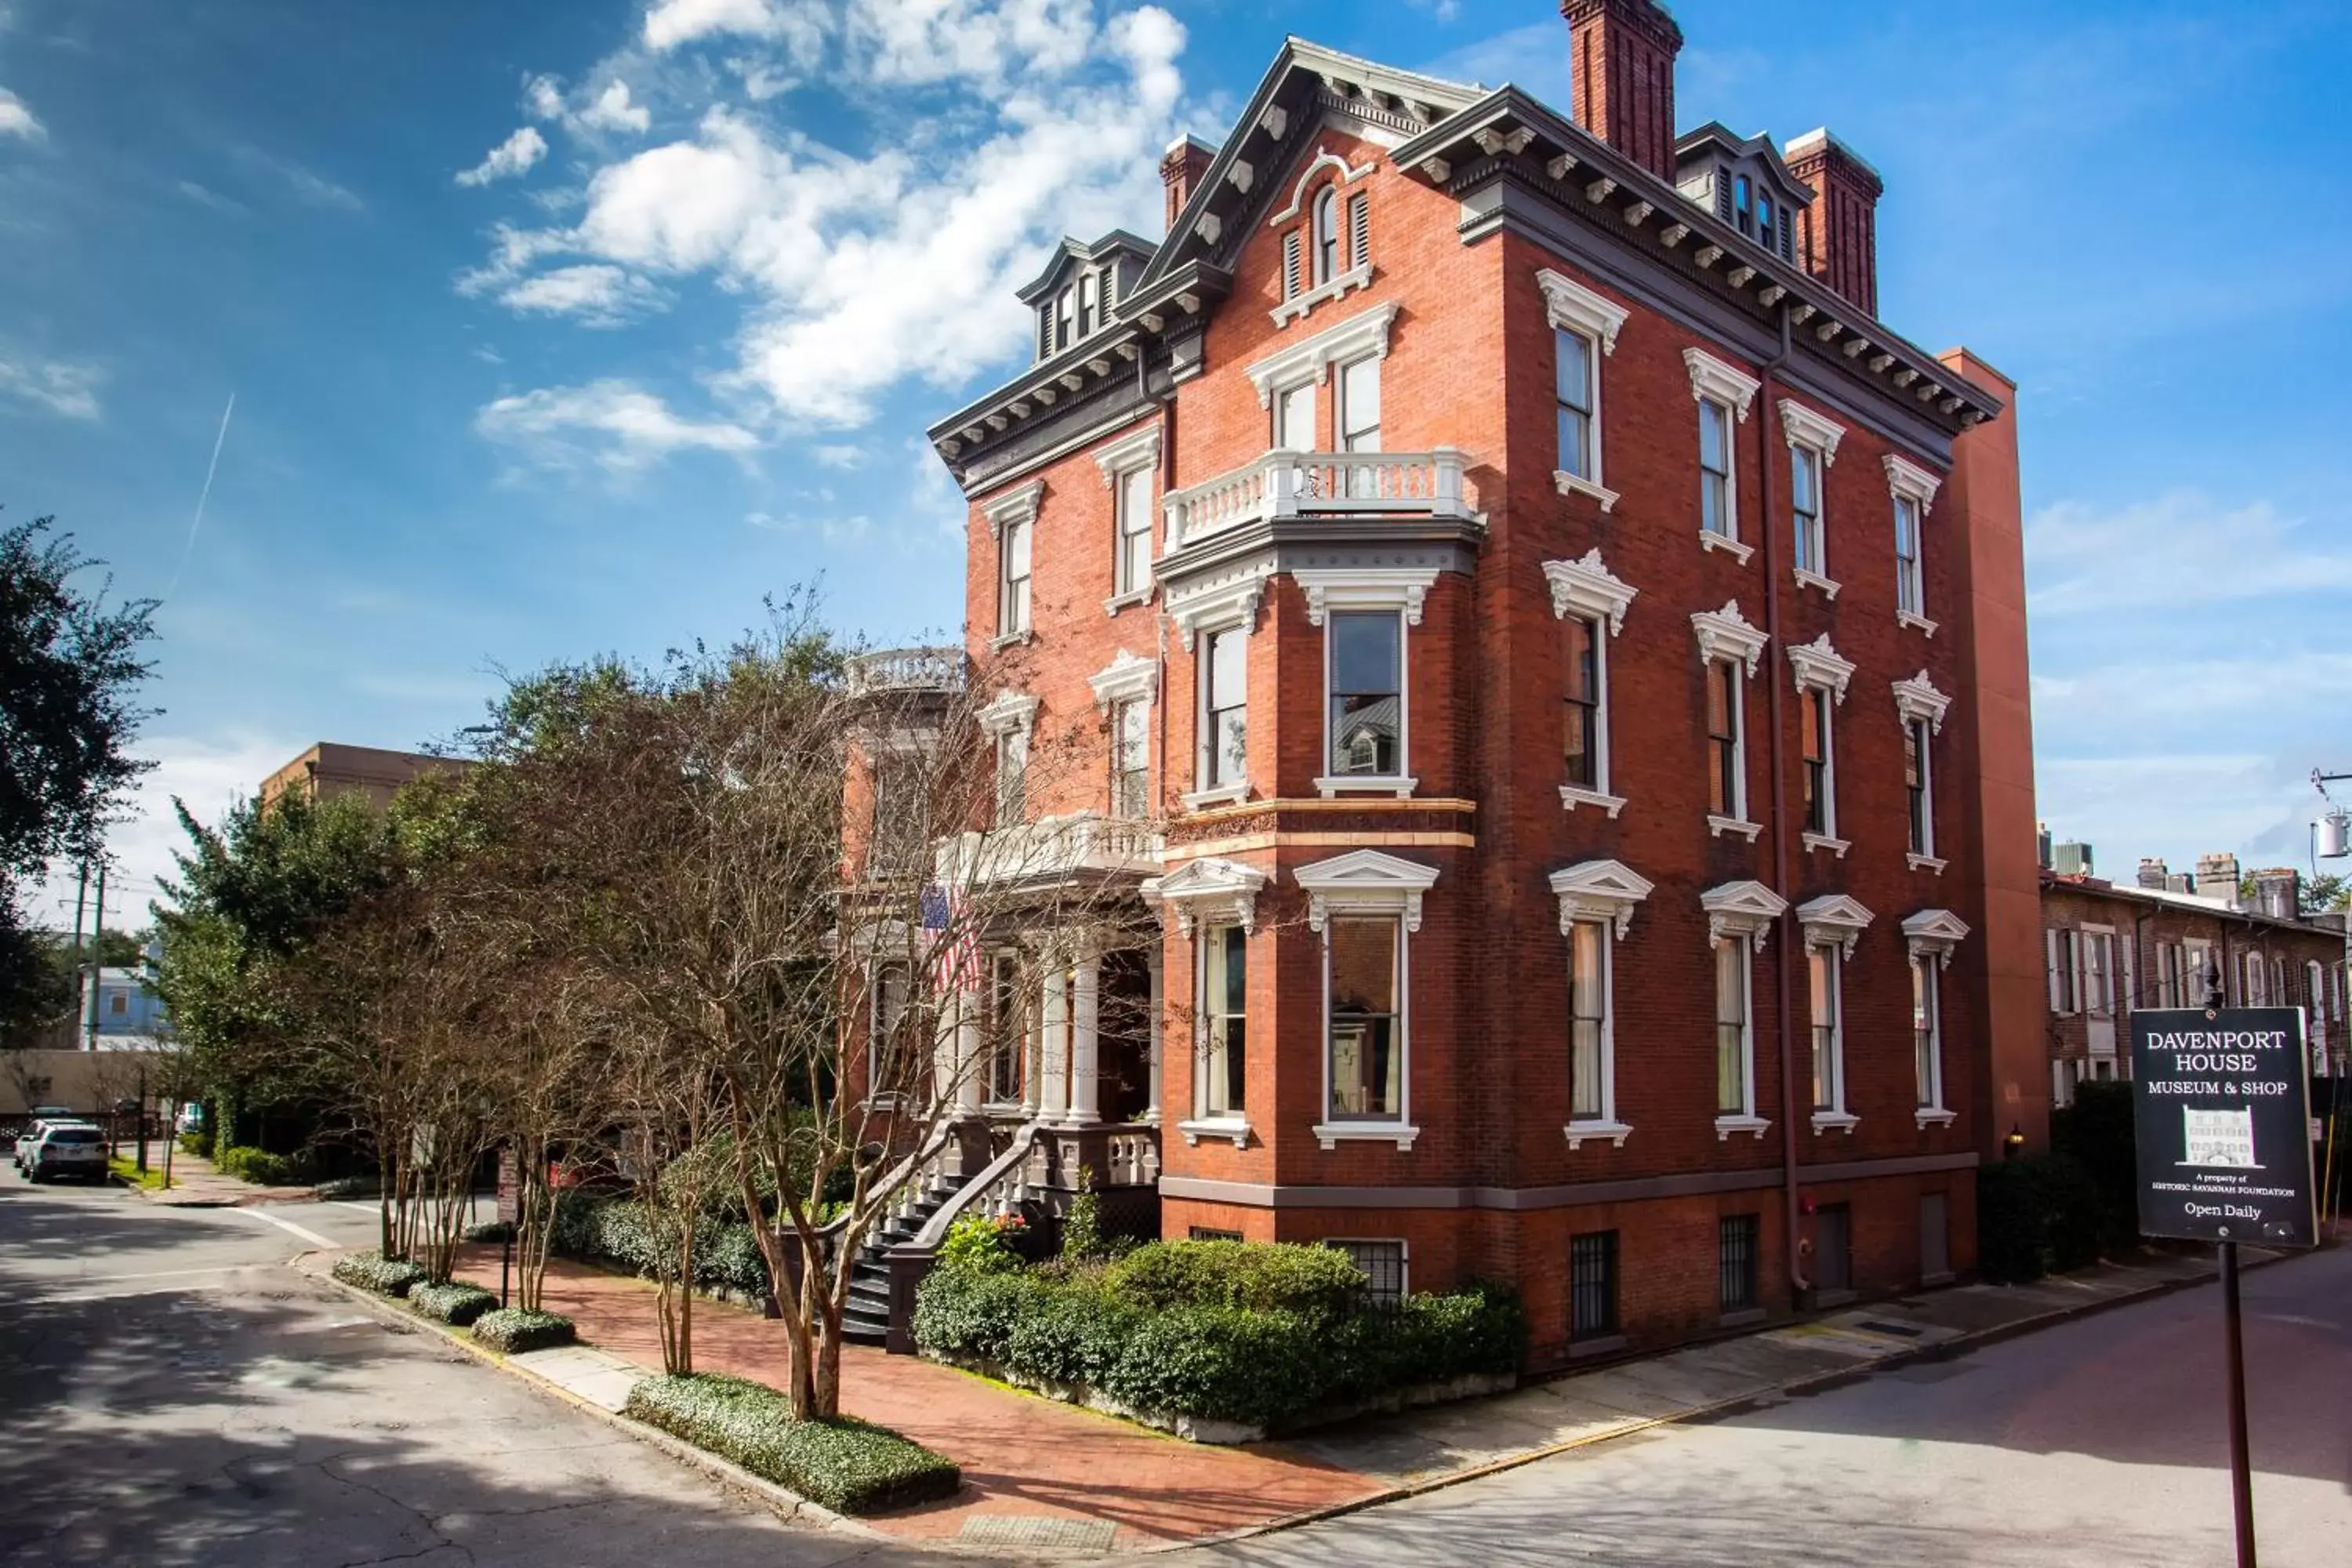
1086 1011
1054 1013
1151 1070
970 1068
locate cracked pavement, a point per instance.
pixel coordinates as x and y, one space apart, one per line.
173 1395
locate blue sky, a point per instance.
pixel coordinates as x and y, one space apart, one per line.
578 325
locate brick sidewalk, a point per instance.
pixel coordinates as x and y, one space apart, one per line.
195 1184
1023 1457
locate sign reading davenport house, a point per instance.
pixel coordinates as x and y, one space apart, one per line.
2222 1113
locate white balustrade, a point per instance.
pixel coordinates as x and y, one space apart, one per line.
1301 484
1049 850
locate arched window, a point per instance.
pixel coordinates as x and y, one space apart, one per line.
1326 234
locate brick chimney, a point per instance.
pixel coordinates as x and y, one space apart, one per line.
1622 77
2154 874
2217 877
1837 236
1181 169
2278 893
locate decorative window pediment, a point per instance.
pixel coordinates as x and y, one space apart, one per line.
1365 879
1588 588
1800 426
1365 588
1917 698
1573 306
1344 175
1140 450
1728 385
1741 909
1833 919
1816 663
1935 933
1130 677
1016 506
1211 889
1222 601
1905 478
1728 633
1011 710
1311 359
1598 890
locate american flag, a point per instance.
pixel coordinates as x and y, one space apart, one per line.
958 959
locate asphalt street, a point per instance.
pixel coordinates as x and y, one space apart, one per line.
2095 1444
173 1395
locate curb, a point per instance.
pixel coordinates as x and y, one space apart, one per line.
1816 1383
786 1504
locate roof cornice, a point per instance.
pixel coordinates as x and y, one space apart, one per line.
1508 135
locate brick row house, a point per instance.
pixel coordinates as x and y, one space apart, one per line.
1561 659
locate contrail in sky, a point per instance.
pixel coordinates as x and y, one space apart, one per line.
205 495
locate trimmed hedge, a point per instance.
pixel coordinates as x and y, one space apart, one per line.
262 1168
512 1330
373 1271
457 1305
846 1465
618 1233
1179 1344
492 1230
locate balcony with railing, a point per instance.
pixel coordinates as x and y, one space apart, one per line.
1050 850
907 669
1283 484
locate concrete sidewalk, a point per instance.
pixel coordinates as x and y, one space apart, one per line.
196 1183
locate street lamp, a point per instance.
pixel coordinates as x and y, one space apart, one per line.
2014 1144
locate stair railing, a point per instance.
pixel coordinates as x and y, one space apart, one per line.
1000 1188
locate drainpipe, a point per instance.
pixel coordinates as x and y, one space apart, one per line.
1799 1281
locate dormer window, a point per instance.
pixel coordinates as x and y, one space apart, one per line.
1742 213
1326 234
1767 228
1086 303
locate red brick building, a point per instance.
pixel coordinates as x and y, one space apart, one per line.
1569 655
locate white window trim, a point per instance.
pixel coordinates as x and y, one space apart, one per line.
1708 538
1602 892
1364 334
1339 287
1805 430
1733 392
1931 936
1587 588
1728 385
1127 455
1243 913
1906 480
1397 590
1836 922
1367 882
1573 307
1917 700
1727 634
1129 678
1211 890
1321 160
1817 665
1743 912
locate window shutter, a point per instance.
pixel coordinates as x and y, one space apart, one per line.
1290 265
2057 1001
1360 226
1723 195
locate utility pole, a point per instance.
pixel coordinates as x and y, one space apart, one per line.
2332 846
96 952
81 899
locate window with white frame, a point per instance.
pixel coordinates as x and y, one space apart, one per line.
1585 326
2170 990
1813 447
1326 234
1591 603
1734 1093
1366 680
893 1041
2255 990
1224 708
1012 520
1819 771
2098 972
1008 1027
1222 1089
1597 899
1717 513
1728 648
1920 708
1294 418
1927 1051
2278 993
2064 955
2203 979
1132 572
1912 492
1832 924
1012 777
1366 905
1130 759
1356 423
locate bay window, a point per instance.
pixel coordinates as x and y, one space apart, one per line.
1366 905
1224 708
1223 1008
1367 695
1357 423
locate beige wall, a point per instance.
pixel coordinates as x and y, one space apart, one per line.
85 1081
328 769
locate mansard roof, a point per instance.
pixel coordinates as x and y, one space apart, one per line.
1070 255
1717 136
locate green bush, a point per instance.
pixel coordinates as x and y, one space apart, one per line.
619 1233
457 1305
1072 1335
493 1231
2100 1131
512 1330
1277 1277
970 1313
262 1168
1226 1363
373 1271
2036 1216
199 1143
982 1244
846 1465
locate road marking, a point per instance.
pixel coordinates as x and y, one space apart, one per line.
355 1204
313 1236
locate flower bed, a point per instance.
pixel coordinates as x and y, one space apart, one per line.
512 1331
1220 1340
373 1271
846 1465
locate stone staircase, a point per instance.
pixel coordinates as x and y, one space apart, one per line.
866 1319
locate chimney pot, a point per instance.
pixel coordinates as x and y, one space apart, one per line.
1181 169
1837 236
1622 77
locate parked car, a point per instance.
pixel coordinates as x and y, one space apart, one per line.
44 1118
69 1151
190 1118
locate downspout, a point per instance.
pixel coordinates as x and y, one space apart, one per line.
1798 1282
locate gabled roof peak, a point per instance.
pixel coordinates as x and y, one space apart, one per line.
1071 250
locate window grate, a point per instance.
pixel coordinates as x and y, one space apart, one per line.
1738 1251
1206 1233
1592 1285
1381 1263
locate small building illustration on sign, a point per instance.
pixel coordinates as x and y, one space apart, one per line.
2220 1140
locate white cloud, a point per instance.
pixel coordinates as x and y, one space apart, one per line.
543 95
613 422
70 390
599 296
315 189
613 111
2179 551
839 456
204 197
865 264
515 155
2177 805
16 120
834 532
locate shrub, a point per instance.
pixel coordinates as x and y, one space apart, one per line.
1082 1236
1070 1335
373 1271
846 1465
1228 1363
199 1143
2035 1215
970 1313
262 1168
457 1305
2100 1131
1279 1277
982 1244
512 1330
619 1233
495 1230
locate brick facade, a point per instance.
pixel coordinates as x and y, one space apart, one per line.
1477 1179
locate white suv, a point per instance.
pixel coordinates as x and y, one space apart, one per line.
68 1151
43 1119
